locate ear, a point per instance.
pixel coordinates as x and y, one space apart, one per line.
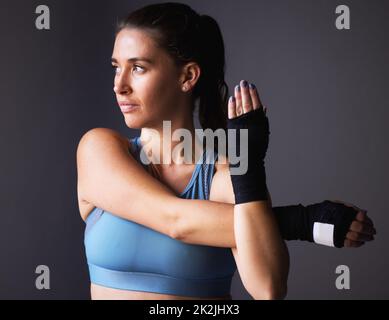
190 75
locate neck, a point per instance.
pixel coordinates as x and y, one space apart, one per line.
163 146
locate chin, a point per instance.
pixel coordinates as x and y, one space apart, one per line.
134 122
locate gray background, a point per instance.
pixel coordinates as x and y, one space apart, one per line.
326 94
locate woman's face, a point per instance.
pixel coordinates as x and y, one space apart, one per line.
145 76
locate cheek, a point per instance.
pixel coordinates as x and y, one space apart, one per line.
160 92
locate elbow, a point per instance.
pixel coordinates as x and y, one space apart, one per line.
270 293
276 293
176 229
176 233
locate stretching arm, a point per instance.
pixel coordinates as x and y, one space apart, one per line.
106 174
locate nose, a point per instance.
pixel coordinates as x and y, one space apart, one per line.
121 85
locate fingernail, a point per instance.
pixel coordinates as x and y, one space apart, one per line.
232 99
237 88
252 86
244 84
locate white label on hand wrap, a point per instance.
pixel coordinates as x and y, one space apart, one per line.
323 233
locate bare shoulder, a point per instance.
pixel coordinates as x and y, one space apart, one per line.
221 187
89 147
97 142
102 136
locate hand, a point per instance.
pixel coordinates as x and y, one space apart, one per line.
245 100
249 128
245 111
361 229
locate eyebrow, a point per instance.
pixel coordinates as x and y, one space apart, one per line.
113 60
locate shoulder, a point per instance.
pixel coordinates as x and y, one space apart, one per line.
98 151
98 139
103 134
221 187
94 145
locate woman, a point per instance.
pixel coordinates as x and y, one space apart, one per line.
152 240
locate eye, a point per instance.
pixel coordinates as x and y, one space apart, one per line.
138 67
116 68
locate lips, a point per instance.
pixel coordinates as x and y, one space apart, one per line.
127 103
126 107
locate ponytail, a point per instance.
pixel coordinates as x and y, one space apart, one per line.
213 91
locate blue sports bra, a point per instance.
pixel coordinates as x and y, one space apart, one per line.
124 255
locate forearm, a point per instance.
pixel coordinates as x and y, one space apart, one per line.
205 222
263 262
211 223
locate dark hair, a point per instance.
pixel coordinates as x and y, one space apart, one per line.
188 36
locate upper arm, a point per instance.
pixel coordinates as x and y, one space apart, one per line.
221 187
111 179
222 190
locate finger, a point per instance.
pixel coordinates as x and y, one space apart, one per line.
361 227
355 236
232 108
255 97
238 101
362 217
246 97
353 244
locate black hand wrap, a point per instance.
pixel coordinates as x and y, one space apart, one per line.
251 185
324 223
